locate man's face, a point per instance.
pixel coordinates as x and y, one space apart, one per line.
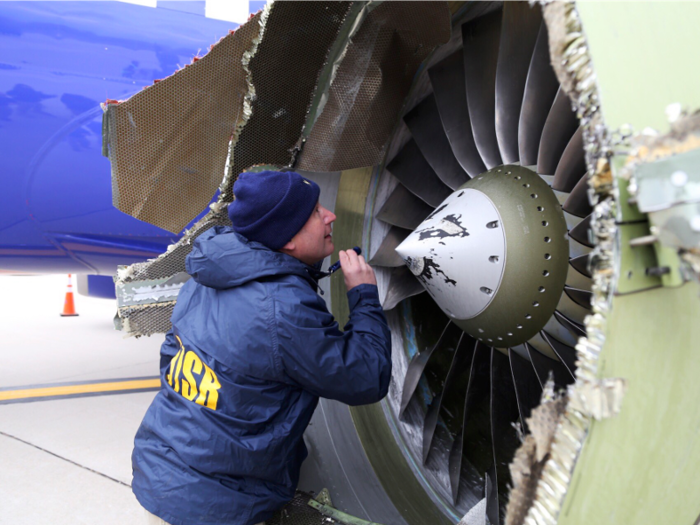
314 242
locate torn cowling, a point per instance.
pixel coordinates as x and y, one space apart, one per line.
372 76
168 144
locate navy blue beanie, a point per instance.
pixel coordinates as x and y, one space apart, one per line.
270 207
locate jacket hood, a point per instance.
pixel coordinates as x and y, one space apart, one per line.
221 258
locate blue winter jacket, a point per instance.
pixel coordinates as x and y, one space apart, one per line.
252 349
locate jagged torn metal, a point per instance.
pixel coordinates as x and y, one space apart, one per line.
129 278
167 144
541 502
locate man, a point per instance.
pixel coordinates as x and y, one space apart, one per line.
252 349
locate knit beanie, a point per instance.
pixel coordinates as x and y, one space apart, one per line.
270 207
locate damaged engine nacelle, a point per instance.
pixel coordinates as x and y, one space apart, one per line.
463 146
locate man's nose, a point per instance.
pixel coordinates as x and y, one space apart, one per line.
330 216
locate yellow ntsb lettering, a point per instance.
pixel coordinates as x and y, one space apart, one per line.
192 364
183 367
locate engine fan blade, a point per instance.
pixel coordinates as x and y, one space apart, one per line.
538 343
577 203
386 253
580 233
543 365
566 354
430 423
560 126
426 129
414 172
519 30
581 297
504 412
402 284
417 365
480 59
528 390
581 264
447 78
572 165
477 422
461 361
492 508
456 406
404 209
571 309
576 279
576 329
562 333
540 90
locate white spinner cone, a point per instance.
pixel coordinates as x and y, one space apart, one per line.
458 253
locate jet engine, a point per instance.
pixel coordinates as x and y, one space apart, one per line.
462 146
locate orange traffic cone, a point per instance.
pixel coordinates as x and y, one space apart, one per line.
69 304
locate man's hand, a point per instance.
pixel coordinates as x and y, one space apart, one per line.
355 270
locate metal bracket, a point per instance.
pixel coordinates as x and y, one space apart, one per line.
627 211
665 195
637 254
337 515
163 290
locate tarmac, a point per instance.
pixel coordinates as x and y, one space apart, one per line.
65 453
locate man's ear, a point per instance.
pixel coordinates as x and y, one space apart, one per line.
289 247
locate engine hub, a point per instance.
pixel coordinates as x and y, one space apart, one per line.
494 255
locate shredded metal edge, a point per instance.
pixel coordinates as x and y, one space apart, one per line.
126 273
574 68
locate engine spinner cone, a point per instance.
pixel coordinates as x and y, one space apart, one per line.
494 255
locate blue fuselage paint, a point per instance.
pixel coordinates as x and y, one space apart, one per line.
58 61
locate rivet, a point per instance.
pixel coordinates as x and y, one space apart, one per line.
540 208
545 273
547 239
535 304
541 289
547 256
519 327
533 195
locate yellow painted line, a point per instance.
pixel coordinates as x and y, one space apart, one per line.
67 390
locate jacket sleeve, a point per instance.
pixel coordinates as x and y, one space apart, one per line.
353 366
